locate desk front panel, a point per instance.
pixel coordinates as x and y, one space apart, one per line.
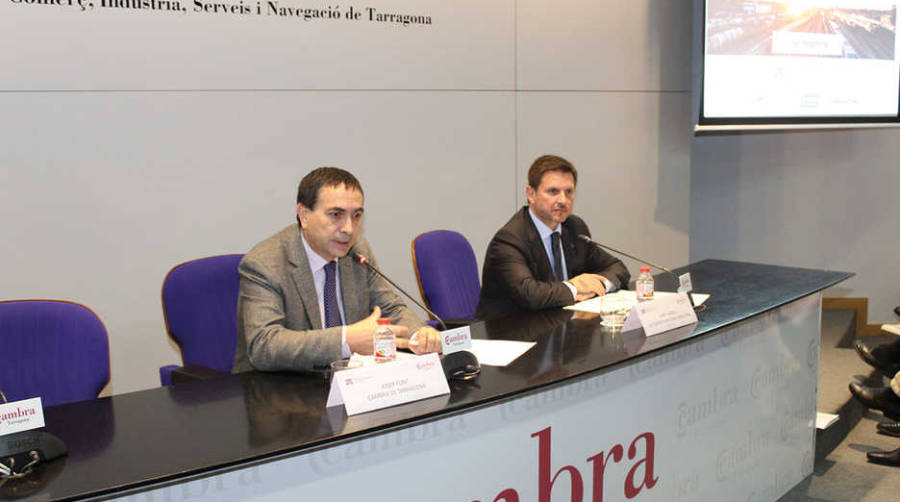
729 416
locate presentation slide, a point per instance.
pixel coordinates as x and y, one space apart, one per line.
801 59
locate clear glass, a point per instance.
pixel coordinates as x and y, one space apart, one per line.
341 365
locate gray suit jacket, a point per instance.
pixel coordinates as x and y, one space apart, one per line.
278 322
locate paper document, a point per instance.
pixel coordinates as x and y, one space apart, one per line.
499 352
627 298
824 420
488 352
891 328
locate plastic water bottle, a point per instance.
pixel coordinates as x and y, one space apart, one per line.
385 342
644 285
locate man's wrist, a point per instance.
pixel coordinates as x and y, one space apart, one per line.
345 349
608 284
572 289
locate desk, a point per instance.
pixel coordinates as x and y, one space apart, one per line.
720 410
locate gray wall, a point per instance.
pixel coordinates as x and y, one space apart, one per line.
811 199
110 178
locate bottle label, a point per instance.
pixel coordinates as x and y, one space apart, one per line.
385 349
645 291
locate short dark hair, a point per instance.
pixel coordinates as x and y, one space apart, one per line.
308 191
546 163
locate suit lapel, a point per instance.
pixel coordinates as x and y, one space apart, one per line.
303 279
543 268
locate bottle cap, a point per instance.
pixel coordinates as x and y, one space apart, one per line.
645 269
384 320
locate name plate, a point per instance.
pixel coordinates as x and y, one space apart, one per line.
661 314
684 283
455 340
388 384
21 416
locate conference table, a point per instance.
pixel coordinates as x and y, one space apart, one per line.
722 409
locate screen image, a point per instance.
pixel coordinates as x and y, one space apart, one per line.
800 59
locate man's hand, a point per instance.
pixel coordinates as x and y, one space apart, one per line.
588 286
359 334
426 340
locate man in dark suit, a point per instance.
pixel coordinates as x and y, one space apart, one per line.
537 261
304 302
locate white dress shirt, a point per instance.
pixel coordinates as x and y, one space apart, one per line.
317 266
545 232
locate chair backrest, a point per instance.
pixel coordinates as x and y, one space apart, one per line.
200 307
447 273
57 350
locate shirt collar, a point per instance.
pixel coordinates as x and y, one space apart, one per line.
316 262
543 230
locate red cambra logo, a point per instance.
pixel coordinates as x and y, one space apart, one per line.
632 485
19 413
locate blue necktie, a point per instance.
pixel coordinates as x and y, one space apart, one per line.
332 311
557 257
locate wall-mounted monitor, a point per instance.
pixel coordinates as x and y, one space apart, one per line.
799 64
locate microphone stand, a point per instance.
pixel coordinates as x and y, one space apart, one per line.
365 261
587 239
460 365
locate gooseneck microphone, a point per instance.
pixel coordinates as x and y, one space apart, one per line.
362 260
587 239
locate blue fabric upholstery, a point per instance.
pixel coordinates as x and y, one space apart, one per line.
53 349
200 307
447 273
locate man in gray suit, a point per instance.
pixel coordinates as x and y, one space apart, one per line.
304 301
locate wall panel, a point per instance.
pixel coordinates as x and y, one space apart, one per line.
105 192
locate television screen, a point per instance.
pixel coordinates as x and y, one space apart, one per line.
800 61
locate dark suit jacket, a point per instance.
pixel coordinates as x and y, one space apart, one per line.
517 274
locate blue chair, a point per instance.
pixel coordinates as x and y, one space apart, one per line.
200 307
447 273
55 350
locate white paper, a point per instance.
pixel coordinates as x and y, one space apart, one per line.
594 304
499 352
891 328
825 420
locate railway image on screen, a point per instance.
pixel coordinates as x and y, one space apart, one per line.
851 29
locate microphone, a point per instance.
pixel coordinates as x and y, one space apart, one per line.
20 452
587 239
362 260
682 280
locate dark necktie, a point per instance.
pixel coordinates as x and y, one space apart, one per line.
329 297
557 256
